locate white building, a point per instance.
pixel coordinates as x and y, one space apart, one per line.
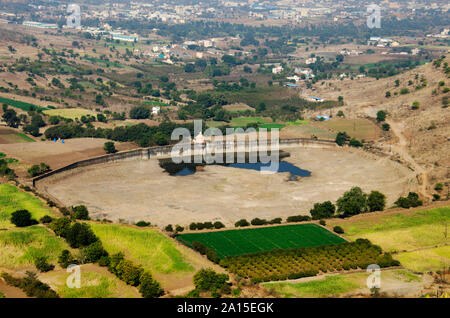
277 69
156 110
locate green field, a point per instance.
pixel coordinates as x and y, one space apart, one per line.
432 259
20 246
355 128
153 103
11 199
147 247
336 285
20 105
246 241
71 113
401 232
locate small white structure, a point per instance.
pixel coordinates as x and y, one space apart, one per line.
156 110
277 69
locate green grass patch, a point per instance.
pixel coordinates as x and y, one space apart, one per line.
156 103
71 113
244 121
20 246
272 126
21 105
400 232
433 259
328 287
246 241
11 199
297 122
147 247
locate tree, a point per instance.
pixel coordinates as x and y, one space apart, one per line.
352 202
61 226
139 112
42 265
11 119
322 210
342 138
376 201
381 116
66 259
149 287
241 223
339 230
93 252
22 218
340 114
386 127
412 200
128 272
109 147
388 94
209 280
79 235
80 212
189 68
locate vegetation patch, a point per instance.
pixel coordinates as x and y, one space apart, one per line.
11 200
356 128
21 105
239 242
22 246
71 113
433 259
147 247
400 232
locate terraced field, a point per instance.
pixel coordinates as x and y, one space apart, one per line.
246 241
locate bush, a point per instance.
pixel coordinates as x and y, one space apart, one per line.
322 222
241 223
209 280
298 218
218 225
66 259
412 200
42 265
61 226
439 187
376 201
323 210
109 147
22 218
386 127
381 116
46 219
179 228
80 212
149 288
36 170
79 235
139 112
257 221
169 228
192 226
128 272
31 285
342 138
93 252
352 202
338 229
143 224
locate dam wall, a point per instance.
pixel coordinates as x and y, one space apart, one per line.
165 152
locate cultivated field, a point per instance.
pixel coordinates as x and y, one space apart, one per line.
172 264
356 128
10 136
246 241
71 113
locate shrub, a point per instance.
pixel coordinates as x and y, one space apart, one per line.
192 226
143 224
66 259
46 219
93 252
169 228
439 187
386 127
79 235
322 222
22 218
140 112
381 116
80 212
412 200
179 228
42 265
109 147
60 226
338 229
298 218
149 288
355 143
241 223
128 272
218 225
376 201
257 221
322 210
209 280
275 221
36 170
342 138
31 285
436 197
352 202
